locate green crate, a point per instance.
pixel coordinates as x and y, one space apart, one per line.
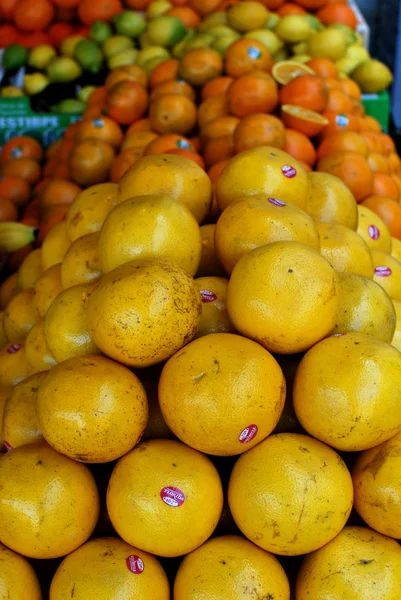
18 118
378 106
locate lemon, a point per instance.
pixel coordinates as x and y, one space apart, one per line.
63 69
282 54
157 8
247 15
89 56
294 28
346 65
350 36
85 92
222 43
130 23
100 31
34 83
126 57
10 91
115 44
152 52
203 40
300 48
67 46
267 38
330 43
301 58
166 31
372 76
213 20
40 56
221 30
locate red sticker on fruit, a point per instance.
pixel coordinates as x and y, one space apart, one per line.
248 434
208 296
276 202
172 496
289 171
135 564
7 446
383 271
374 232
13 348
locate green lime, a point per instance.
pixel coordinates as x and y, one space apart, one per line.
115 44
62 69
71 106
100 31
89 56
14 57
166 30
130 23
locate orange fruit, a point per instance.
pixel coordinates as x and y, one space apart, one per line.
8 211
244 56
173 87
55 245
383 185
378 162
265 170
387 273
306 121
162 486
353 169
26 474
15 189
351 88
254 221
373 229
81 263
252 93
58 191
373 140
158 325
165 71
338 101
342 141
286 70
20 315
344 249
17 576
139 140
362 560
213 108
214 317
388 210
30 270
154 227
394 162
289 8
106 566
299 146
21 146
104 10
224 565
289 465
218 149
33 15
212 361
345 420
25 168
89 210
169 175
364 307
337 13
37 352
209 265
188 17
330 200
259 130
126 102
90 162
216 170
307 91
122 162
104 129
200 65
323 67
98 96
172 113
372 124
124 73
219 127
188 154
216 86
168 141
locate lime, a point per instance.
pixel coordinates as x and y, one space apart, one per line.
67 46
126 57
221 31
40 56
213 20
63 69
115 44
130 23
272 21
314 22
35 83
166 31
14 57
180 49
158 8
205 40
85 92
70 106
89 56
152 52
100 31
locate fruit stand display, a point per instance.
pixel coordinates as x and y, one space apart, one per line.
200 304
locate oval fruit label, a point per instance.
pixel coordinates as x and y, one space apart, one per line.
383 271
374 232
289 171
139 437
276 202
135 564
254 53
13 348
248 434
172 496
7 446
342 120
208 296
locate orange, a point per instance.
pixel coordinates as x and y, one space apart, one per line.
337 13
214 317
162 487
8 290
58 191
81 263
362 560
132 322
98 96
339 122
14 367
364 307
351 88
126 102
20 315
216 170
330 200
344 249
338 101
168 141
188 17
124 73
165 71
299 146
188 154
342 141
372 124
209 263
21 146
89 210
259 130
169 175
30 270
55 245
204 7
219 127
225 565
122 162
306 121
173 87
289 8
218 149
285 70
393 161
244 412
378 162
252 93
387 273
372 139
33 15
27 169
26 474
200 65
307 91
8 211
104 129
36 349
323 67
296 274
264 170
213 108
107 566
17 576
383 185
387 144
109 422
284 466
20 421
373 229
90 162
353 169
244 56
139 140
331 403
105 10
388 210
216 86
66 324
254 221
172 113
154 227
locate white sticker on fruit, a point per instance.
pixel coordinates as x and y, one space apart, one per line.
248 434
289 171
383 271
135 564
208 296
374 232
172 496
276 202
